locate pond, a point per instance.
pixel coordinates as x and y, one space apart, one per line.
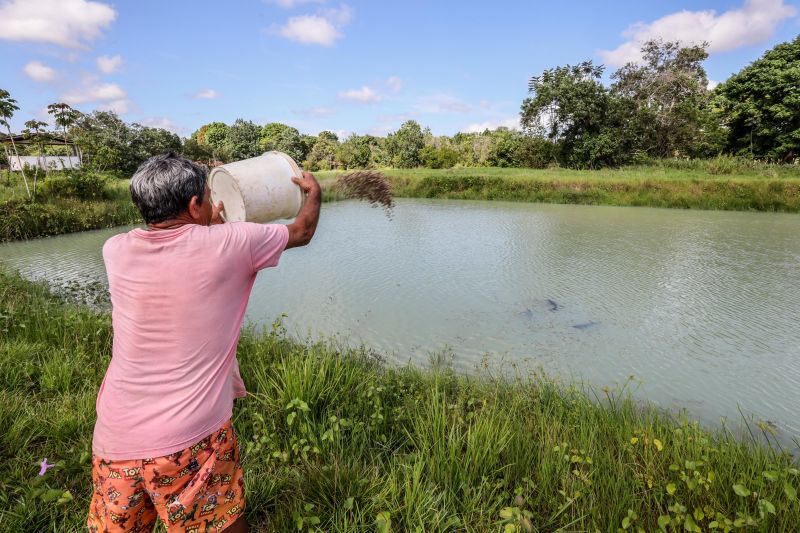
700 307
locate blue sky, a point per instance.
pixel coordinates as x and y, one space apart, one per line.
354 66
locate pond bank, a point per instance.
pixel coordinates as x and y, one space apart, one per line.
53 214
699 186
629 186
336 439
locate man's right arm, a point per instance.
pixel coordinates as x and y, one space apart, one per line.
305 224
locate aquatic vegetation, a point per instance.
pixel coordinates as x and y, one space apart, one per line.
334 439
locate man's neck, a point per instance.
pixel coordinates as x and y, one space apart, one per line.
172 223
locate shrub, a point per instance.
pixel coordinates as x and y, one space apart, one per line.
82 185
26 220
443 157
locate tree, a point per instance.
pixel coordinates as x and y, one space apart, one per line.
323 154
215 136
112 145
438 157
108 142
242 140
405 145
148 142
7 107
35 130
761 105
356 151
66 117
196 151
473 148
277 136
574 110
668 96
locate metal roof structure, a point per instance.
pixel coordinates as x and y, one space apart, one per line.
48 139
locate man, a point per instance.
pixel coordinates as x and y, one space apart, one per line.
163 442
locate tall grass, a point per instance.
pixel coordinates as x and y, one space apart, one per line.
721 183
714 184
53 213
335 440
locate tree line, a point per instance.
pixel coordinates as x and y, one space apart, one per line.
661 107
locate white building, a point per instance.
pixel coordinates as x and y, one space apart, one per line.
50 162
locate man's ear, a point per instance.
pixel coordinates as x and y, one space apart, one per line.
194 208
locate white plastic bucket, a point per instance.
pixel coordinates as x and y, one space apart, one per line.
259 189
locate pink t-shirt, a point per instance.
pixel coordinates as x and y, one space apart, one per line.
178 300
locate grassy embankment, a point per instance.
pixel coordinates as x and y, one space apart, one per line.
337 441
714 184
55 213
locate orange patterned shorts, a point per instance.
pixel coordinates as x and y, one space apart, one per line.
199 489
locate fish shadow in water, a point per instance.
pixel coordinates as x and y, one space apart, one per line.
585 325
551 304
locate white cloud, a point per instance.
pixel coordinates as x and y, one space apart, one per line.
338 16
310 29
441 103
750 24
207 94
394 83
364 95
315 112
120 107
38 71
109 64
105 92
69 23
712 84
510 123
163 123
322 29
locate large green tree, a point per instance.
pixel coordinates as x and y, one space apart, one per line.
243 139
112 145
215 136
105 140
148 142
664 99
357 151
570 106
323 155
277 136
761 105
405 145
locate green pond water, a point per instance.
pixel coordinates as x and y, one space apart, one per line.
703 308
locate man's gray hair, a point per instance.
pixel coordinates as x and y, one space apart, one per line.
163 186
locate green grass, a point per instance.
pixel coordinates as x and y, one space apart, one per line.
686 185
334 439
723 183
54 215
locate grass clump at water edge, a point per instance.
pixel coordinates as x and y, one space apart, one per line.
66 202
335 440
643 186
